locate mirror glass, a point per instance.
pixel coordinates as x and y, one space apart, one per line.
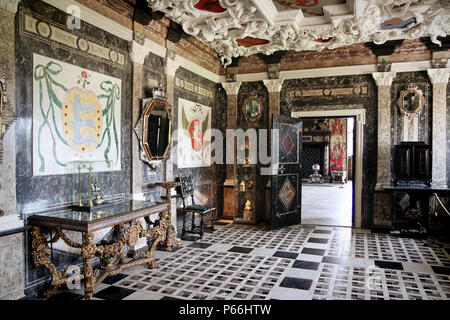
156 131
252 109
411 102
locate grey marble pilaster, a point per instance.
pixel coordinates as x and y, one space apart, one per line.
7 62
384 81
136 163
232 89
439 79
11 247
274 87
170 70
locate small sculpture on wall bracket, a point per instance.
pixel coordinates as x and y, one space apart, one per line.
154 128
7 116
411 101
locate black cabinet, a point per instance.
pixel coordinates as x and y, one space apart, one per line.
413 162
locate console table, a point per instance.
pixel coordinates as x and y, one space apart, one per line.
125 215
417 204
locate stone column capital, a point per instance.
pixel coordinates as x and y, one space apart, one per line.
138 52
9 5
273 85
384 79
232 88
439 76
171 67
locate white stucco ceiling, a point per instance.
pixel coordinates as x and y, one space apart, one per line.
305 24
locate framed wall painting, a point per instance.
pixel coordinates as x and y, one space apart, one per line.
76 117
194 134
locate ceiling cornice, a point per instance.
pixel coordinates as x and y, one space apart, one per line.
356 21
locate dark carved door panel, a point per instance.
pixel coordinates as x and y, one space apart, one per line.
286 172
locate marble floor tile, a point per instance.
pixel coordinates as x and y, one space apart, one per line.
242 262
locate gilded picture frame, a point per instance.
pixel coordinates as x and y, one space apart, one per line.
411 100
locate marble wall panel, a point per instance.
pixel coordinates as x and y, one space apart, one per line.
11 267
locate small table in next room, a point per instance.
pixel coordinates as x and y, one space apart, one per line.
125 215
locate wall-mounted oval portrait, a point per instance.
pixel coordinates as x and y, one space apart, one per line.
154 127
411 100
252 109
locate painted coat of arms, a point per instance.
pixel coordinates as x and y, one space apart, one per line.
194 134
76 117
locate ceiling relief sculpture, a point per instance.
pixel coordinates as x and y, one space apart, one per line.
225 25
308 7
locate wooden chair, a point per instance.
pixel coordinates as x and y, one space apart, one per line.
187 190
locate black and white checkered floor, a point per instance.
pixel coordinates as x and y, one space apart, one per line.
299 262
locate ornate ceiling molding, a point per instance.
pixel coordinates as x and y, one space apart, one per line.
439 76
384 79
357 21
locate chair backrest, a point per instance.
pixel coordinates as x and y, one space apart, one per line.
187 187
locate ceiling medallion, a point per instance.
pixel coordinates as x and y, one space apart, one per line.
292 25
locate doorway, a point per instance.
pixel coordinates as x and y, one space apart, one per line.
339 192
327 171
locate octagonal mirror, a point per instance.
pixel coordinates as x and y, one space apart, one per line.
252 109
411 100
154 127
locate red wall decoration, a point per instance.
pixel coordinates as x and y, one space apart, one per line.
338 145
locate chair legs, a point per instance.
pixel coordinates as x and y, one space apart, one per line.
200 227
213 217
183 231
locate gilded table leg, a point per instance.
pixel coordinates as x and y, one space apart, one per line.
40 255
159 234
88 253
171 233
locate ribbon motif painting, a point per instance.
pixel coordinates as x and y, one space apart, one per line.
194 134
76 117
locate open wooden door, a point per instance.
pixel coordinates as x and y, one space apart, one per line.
286 187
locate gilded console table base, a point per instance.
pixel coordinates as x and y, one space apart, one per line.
171 241
41 253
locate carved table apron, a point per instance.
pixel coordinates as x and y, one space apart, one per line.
125 215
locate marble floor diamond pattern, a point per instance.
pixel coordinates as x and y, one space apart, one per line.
241 262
